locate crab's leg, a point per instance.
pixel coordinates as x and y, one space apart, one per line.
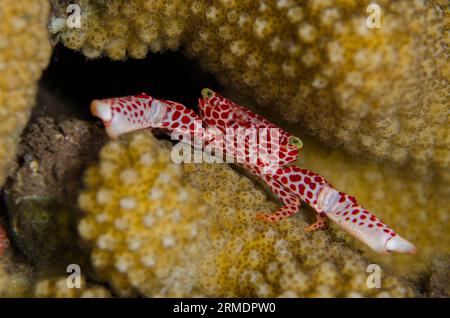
291 201
321 222
343 209
4 241
292 204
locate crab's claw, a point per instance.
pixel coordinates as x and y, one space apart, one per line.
400 245
102 110
360 223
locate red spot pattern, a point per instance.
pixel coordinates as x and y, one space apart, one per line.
301 188
185 120
176 115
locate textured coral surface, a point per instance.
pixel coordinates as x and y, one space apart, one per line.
57 287
378 92
142 220
24 53
15 277
162 229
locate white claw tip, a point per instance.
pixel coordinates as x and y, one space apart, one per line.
101 110
399 244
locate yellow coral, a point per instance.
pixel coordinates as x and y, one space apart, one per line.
119 28
15 278
142 219
150 231
57 287
24 53
19 279
381 93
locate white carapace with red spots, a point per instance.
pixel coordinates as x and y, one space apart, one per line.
290 183
280 146
4 241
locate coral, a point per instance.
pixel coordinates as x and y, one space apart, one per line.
57 287
120 28
16 278
143 220
417 209
24 53
41 191
167 230
433 279
381 93
44 230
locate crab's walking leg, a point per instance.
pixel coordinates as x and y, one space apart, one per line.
291 202
321 222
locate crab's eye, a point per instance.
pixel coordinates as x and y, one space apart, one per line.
207 93
295 141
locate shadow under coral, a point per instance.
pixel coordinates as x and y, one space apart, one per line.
71 81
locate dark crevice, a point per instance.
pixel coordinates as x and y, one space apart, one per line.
71 81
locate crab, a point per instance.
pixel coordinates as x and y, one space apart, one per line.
275 167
